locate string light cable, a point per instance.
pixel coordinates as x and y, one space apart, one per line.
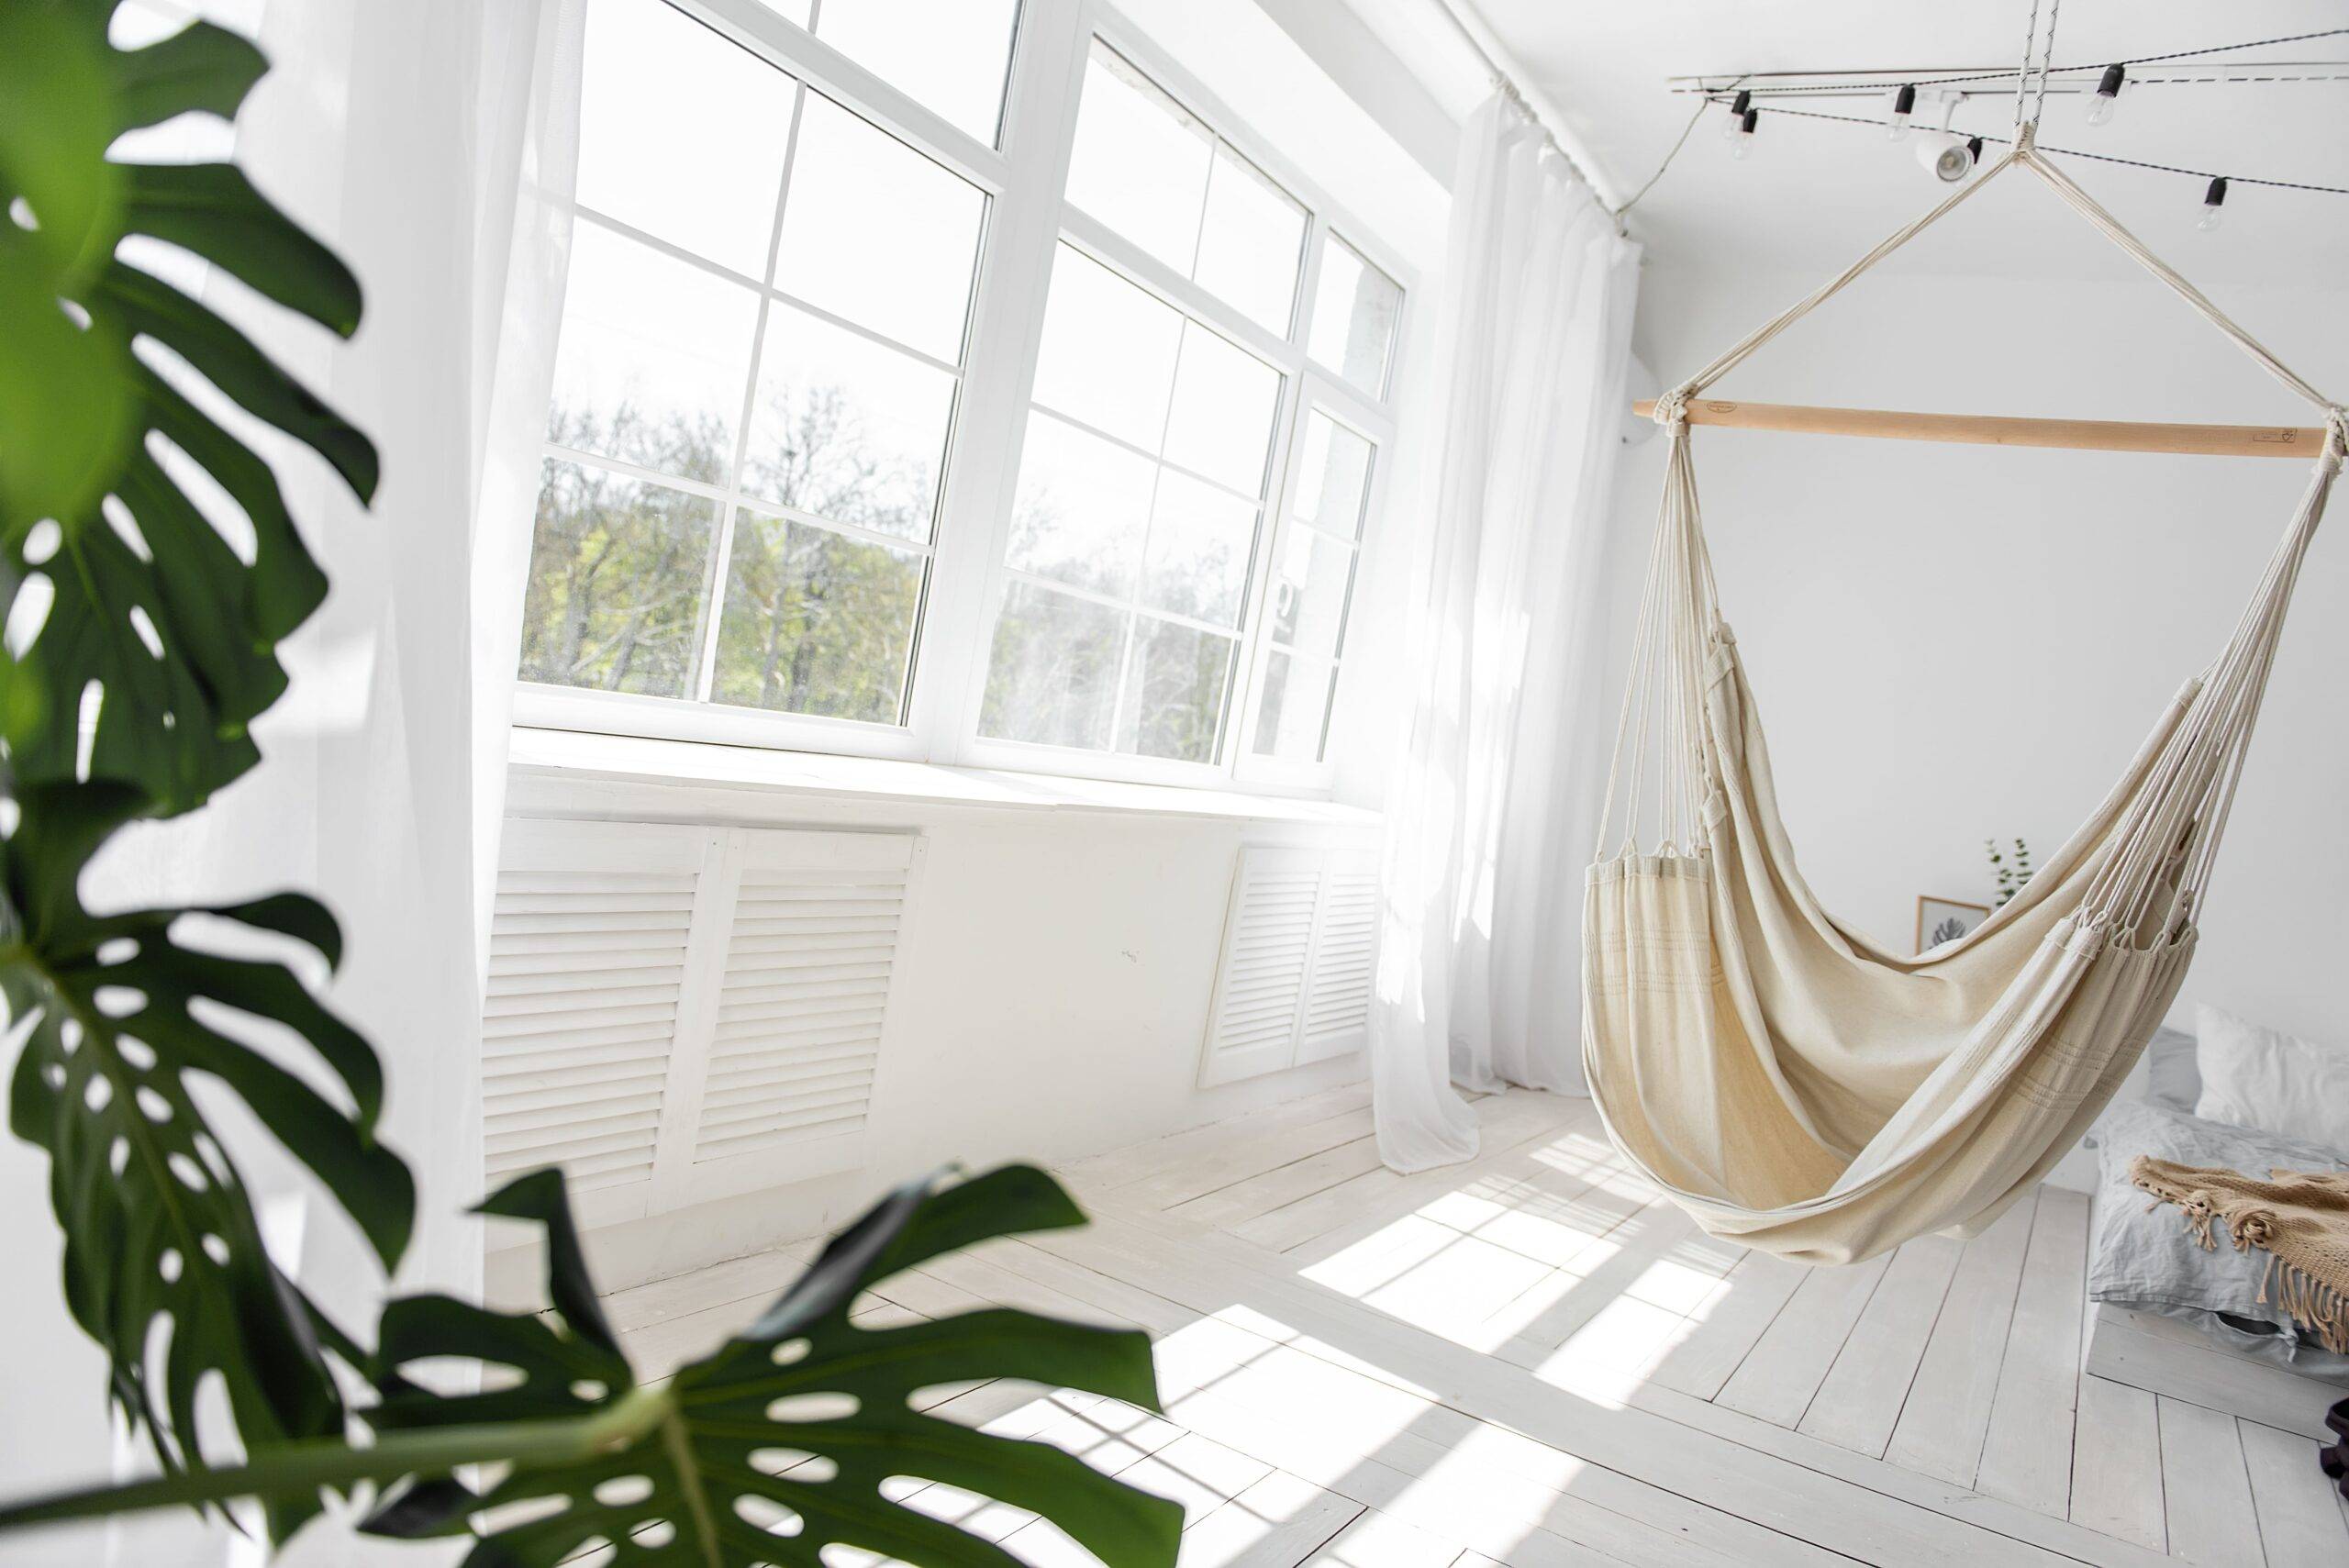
1776 109
1762 89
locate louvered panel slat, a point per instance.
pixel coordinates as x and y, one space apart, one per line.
781 1021
809 959
587 966
525 1144
569 1055
749 1082
522 996
511 971
1337 1002
1266 943
567 1022
828 1121
847 1037
577 1082
1295 981
769 1102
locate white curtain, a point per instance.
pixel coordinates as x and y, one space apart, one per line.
1493 791
430 143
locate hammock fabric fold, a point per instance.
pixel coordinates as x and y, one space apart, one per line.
1795 1087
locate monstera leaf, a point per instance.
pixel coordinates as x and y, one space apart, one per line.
141 643
144 611
118 1018
766 1452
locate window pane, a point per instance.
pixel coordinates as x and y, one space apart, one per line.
618 570
1354 307
947 55
1108 352
875 231
1293 714
1175 688
1333 476
681 134
1053 677
846 428
1222 419
1199 542
1310 574
816 622
1140 161
1083 507
1253 242
655 356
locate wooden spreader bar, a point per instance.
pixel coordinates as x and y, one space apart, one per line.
2000 430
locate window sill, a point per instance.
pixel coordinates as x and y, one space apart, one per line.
570 754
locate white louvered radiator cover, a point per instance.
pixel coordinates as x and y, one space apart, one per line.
678 1013
1293 985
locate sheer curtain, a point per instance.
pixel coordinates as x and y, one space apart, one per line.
1493 794
422 141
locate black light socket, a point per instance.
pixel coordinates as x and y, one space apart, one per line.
2109 87
1752 117
1905 101
2217 194
1973 148
1739 105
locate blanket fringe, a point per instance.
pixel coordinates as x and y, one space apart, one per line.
2310 1302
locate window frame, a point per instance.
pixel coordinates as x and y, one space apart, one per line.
1023 178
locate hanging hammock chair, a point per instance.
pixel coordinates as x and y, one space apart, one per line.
1791 1084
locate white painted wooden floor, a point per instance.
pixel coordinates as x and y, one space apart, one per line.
1532 1360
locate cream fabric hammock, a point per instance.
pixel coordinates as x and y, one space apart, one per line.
1795 1087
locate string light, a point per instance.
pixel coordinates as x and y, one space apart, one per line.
2107 96
1741 144
1904 104
2215 202
2218 184
1737 107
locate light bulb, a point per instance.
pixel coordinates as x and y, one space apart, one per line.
2214 205
1904 104
1735 125
2107 96
1742 144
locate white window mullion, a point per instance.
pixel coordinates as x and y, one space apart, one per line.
834 74
713 604
1008 330
1240 726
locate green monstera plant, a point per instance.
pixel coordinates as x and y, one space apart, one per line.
151 569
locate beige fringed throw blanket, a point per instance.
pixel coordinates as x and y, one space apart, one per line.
2301 1219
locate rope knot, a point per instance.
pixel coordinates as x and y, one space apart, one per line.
2027 137
1672 407
2336 432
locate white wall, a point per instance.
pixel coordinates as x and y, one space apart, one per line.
1057 971
1950 643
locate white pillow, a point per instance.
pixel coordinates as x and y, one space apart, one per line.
2258 1077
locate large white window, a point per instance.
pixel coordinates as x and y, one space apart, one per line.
950 379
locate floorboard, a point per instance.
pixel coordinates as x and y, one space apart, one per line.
2027 1450
1534 1361
2113 1489
1948 1411
2208 1507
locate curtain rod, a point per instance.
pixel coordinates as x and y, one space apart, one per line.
1479 36
2004 431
